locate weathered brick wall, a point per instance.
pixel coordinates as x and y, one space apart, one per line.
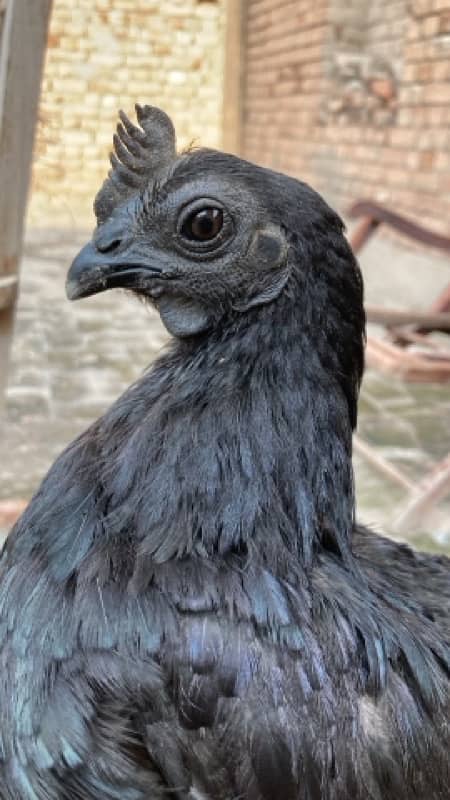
353 96
107 54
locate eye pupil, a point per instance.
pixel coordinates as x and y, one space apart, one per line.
203 225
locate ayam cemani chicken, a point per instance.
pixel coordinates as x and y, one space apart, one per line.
187 606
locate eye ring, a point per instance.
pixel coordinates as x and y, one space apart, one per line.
203 224
203 249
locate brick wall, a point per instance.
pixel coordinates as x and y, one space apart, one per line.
354 97
107 54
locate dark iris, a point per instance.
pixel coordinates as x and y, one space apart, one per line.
203 225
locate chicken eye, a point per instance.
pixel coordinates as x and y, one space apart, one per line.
203 225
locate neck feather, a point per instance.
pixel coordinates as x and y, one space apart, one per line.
241 440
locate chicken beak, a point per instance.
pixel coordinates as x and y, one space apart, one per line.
93 271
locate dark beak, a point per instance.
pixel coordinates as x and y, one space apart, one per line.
94 271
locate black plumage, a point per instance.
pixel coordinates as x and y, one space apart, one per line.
187 606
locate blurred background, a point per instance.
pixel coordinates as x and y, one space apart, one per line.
352 96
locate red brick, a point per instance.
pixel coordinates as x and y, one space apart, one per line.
399 151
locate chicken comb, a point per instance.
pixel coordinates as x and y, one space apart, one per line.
140 151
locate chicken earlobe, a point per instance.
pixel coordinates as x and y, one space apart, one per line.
183 316
269 251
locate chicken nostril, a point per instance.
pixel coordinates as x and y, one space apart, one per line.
109 246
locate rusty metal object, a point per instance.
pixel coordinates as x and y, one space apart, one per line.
363 233
434 487
411 366
397 356
395 316
380 215
381 464
442 302
410 354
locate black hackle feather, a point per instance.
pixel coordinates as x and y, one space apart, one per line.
188 608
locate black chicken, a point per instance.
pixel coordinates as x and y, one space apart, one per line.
187 607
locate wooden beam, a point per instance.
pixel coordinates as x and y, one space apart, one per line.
233 76
22 48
